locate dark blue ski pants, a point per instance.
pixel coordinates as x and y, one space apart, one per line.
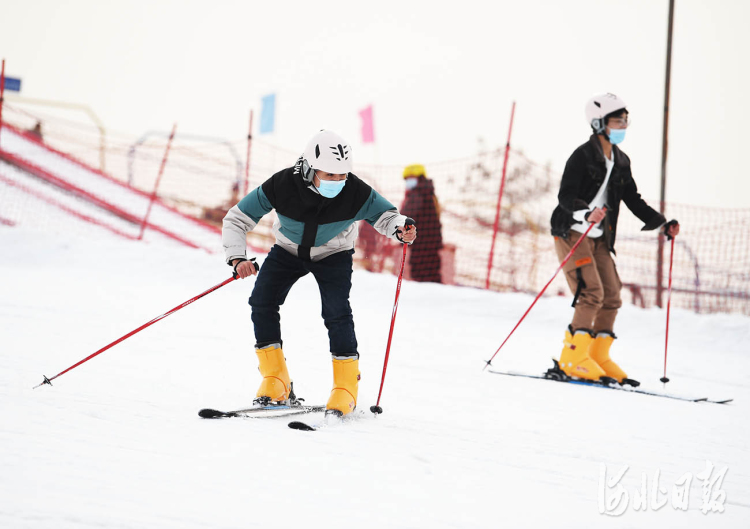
278 274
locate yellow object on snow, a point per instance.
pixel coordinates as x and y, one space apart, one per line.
599 353
575 359
345 385
276 383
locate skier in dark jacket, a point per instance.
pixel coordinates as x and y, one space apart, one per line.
420 203
596 179
317 203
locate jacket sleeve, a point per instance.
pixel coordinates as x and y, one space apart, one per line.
651 218
241 219
575 170
381 215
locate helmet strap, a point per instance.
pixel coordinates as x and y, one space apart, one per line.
307 172
598 125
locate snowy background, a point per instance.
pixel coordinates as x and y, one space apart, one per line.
117 442
440 77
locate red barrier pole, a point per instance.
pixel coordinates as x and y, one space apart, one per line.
499 199
2 91
156 185
247 162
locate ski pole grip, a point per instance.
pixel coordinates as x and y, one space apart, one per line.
242 260
407 223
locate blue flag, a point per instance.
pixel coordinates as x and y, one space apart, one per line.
267 113
13 84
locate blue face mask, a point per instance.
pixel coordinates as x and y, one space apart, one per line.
616 136
331 188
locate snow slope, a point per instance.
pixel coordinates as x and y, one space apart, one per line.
117 442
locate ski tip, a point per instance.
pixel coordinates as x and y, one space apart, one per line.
376 409
297 425
208 413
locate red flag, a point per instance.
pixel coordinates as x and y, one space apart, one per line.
368 130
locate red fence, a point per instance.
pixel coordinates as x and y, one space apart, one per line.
203 178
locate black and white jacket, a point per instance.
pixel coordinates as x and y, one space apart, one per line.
583 176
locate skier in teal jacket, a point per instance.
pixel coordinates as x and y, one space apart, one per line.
318 202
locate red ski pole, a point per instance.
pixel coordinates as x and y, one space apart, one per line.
139 329
377 408
567 258
669 303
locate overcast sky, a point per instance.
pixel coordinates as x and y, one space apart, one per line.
439 74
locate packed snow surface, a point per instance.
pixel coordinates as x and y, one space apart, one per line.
117 441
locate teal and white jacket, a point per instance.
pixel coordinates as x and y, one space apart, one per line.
308 225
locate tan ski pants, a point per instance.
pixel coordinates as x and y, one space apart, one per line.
599 300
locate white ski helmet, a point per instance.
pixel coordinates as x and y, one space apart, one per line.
600 106
326 151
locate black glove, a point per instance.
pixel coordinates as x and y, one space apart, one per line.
668 225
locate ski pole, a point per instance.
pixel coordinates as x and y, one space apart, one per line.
139 329
664 379
567 258
377 409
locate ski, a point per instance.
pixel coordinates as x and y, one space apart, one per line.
264 407
331 418
257 412
299 425
631 386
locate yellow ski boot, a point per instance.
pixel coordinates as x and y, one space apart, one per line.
276 384
343 397
575 360
599 353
